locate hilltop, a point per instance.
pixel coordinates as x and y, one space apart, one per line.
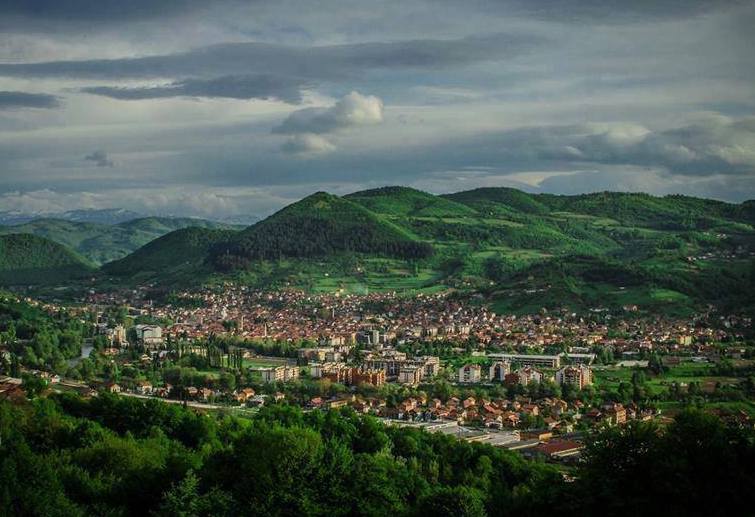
405 201
319 225
30 259
99 242
522 251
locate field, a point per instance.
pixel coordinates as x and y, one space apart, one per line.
263 362
610 377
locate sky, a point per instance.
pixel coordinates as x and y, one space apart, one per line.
238 107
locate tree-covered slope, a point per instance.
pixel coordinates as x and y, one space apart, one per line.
673 212
64 455
180 251
529 250
102 243
30 259
319 225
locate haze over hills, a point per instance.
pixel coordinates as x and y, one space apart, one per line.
88 215
100 242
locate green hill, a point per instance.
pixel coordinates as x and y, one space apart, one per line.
405 201
102 243
30 259
523 251
179 253
672 212
319 225
500 200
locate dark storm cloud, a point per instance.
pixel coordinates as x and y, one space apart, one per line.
95 10
607 11
100 159
12 100
125 11
323 62
232 87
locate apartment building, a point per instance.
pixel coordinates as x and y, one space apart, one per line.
578 376
470 373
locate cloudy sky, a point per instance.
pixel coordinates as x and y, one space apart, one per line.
231 107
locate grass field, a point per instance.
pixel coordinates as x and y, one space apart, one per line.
264 362
610 377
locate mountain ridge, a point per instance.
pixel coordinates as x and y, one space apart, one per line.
502 242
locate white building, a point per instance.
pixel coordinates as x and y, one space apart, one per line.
498 371
470 373
528 374
282 373
149 334
545 361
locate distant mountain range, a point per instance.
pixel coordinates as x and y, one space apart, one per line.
101 242
523 251
105 216
100 216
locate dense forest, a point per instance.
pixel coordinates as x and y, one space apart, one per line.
182 249
110 455
31 259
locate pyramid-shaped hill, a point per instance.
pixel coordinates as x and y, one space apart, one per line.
318 226
31 259
184 249
405 201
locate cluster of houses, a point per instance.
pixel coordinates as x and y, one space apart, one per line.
501 370
558 415
380 319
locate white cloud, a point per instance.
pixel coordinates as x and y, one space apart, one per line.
352 110
306 125
307 143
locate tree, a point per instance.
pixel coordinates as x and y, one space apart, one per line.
183 499
696 466
458 501
33 385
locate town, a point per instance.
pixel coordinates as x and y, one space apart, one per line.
532 383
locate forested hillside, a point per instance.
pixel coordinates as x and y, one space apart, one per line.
29 259
408 202
170 256
101 243
318 226
110 455
523 251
